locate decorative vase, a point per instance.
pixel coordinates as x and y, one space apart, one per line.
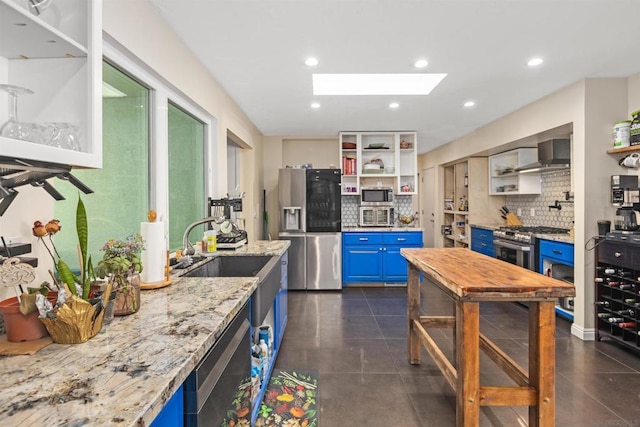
76 321
127 288
20 327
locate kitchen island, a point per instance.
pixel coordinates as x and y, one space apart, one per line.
127 373
469 278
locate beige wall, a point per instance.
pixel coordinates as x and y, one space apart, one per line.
140 28
590 107
280 151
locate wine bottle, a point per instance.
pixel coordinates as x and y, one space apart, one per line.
615 319
628 312
604 315
602 303
609 271
627 324
625 286
630 300
599 280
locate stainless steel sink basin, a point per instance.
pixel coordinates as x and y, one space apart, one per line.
260 266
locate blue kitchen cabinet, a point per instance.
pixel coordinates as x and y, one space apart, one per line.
375 256
394 266
361 257
172 415
482 241
556 260
281 308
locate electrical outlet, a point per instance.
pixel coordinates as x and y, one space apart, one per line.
519 211
533 212
13 240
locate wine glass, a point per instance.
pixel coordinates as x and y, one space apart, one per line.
13 128
61 135
36 7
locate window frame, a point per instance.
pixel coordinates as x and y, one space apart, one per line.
161 92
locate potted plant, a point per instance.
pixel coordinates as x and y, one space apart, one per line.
122 265
73 319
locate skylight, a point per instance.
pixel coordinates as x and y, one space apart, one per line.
375 84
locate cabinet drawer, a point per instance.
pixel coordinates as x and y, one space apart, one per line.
558 250
618 254
404 238
361 238
482 235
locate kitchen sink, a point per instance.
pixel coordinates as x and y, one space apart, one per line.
260 266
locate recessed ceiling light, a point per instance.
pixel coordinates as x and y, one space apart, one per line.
421 63
311 62
534 62
469 104
394 105
315 105
375 84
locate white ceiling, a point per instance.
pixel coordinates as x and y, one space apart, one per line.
256 50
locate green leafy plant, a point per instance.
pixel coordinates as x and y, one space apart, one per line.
121 256
73 282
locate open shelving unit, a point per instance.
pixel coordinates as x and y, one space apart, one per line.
396 151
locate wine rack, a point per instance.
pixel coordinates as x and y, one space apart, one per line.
617 304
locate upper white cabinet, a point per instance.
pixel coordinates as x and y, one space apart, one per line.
504 181
379 158
58 56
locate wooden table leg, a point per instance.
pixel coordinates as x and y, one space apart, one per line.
542 331
413 313
467 344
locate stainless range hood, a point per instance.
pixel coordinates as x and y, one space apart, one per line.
554 154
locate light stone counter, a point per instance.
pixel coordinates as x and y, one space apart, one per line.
374 229
565 238
124 375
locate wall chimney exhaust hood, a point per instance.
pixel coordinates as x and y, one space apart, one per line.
17 172
553 155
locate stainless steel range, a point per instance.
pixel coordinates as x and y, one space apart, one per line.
517 245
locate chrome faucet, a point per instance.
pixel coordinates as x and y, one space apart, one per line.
187 248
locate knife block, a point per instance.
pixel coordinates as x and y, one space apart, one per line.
512 219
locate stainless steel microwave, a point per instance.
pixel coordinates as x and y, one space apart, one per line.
376 196
376 216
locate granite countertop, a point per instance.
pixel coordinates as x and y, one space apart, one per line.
125 375
565 238
372 229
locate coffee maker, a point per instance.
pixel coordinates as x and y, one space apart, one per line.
626 196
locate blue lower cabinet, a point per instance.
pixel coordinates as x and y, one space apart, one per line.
482 241
375 256
172 415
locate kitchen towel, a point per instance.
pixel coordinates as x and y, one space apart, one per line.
154 253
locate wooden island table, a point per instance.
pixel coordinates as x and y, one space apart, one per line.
469 278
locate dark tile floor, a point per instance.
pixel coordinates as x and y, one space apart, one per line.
356 339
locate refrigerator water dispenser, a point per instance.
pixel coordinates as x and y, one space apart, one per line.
292 218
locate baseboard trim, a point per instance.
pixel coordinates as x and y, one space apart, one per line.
583 333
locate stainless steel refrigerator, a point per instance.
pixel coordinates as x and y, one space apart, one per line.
309 216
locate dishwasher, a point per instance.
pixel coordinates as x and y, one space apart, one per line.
212 386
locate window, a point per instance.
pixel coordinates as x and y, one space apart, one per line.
187 197
154 157
121 188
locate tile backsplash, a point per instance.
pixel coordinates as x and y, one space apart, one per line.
554 186
350 204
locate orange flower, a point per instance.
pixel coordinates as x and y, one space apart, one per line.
38 229
53 226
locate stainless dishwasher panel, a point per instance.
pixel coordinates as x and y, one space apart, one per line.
324 261
213 384
297 269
